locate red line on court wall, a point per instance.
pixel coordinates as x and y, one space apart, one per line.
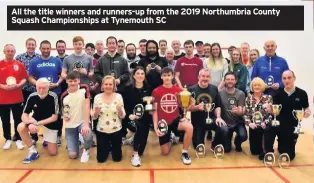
24 176
152 176
283 178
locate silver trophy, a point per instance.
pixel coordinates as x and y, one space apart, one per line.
284 160
219 151
209 107
270 80
200 151
162 126
78 65
269 159
257 118
139 112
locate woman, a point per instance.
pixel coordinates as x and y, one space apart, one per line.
108 109
253 56
255 105
239 69
217 64
133 95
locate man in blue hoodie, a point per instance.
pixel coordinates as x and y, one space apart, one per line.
270 67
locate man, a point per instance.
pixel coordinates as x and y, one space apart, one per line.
76 115
232 112
204 94
13 76
176 46
170 58
45 105
131 56
26 58
61 46
90 49
166 105
112 63
121 47
270 67
245 50
79 61
199 49
207 50
142 45
48 67
153 64
188 67
99 49
291 98
163 47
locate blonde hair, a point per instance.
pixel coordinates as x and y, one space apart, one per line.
109 77
231 65
258 81
250 62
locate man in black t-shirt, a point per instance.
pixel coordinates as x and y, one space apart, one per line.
44 104
205 93
291 98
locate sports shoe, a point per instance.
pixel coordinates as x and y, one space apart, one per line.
128 141
19 144
186 158
45 144
85 156
7 144
32 156
136 160
175 139
59 141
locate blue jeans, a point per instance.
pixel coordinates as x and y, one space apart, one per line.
72 137
239 139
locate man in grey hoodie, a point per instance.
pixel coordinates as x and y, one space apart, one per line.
112 63
131 56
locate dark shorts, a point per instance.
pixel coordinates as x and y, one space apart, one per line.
173 127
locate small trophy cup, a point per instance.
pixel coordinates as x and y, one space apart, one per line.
139 112
219 151
284 160
78 65
162 126
200 151
276 111
269 159
209 108
298 115
11 80
257 118
185 100
148 100
270 80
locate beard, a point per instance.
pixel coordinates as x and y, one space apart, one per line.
131 56
152 54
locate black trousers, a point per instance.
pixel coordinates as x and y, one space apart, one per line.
140 137
104 141
286 140
241 136
5 113
256 140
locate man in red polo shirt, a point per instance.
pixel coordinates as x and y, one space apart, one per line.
187 67
245 49
13 76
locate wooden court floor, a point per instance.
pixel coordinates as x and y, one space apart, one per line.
235 167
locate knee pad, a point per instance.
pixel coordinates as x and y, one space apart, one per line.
73 155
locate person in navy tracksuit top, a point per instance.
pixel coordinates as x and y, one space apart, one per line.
270 65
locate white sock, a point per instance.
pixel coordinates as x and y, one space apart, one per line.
32 149
184 151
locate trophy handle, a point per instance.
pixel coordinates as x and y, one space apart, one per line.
294 114
279 107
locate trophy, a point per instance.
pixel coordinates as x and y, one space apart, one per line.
232 102
66 112
148 100
298 115
11 80
270 80
139 112
284 160
78 65
269 159
219 151
185 99
257 118
113 73
153 65
276 111
200 151
209 108
162 126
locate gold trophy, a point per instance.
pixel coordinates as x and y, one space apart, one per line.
200 151
209 108
298 115
219 151
11 80
185 100
148 100
276 111
284 160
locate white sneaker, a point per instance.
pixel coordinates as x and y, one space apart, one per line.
85 156
7 145
186 158
19 144
136 160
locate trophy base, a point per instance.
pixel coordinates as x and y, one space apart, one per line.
209 121
275 123
284 160
200 151
269 159
219 151
148 107
297 130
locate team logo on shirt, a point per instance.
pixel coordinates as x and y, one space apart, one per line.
205 98
168 103
16 67
185 64
297 99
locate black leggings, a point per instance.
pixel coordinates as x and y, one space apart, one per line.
256 140
104 140
5 113
140 137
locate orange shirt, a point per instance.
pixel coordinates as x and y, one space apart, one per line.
245 60
14 69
